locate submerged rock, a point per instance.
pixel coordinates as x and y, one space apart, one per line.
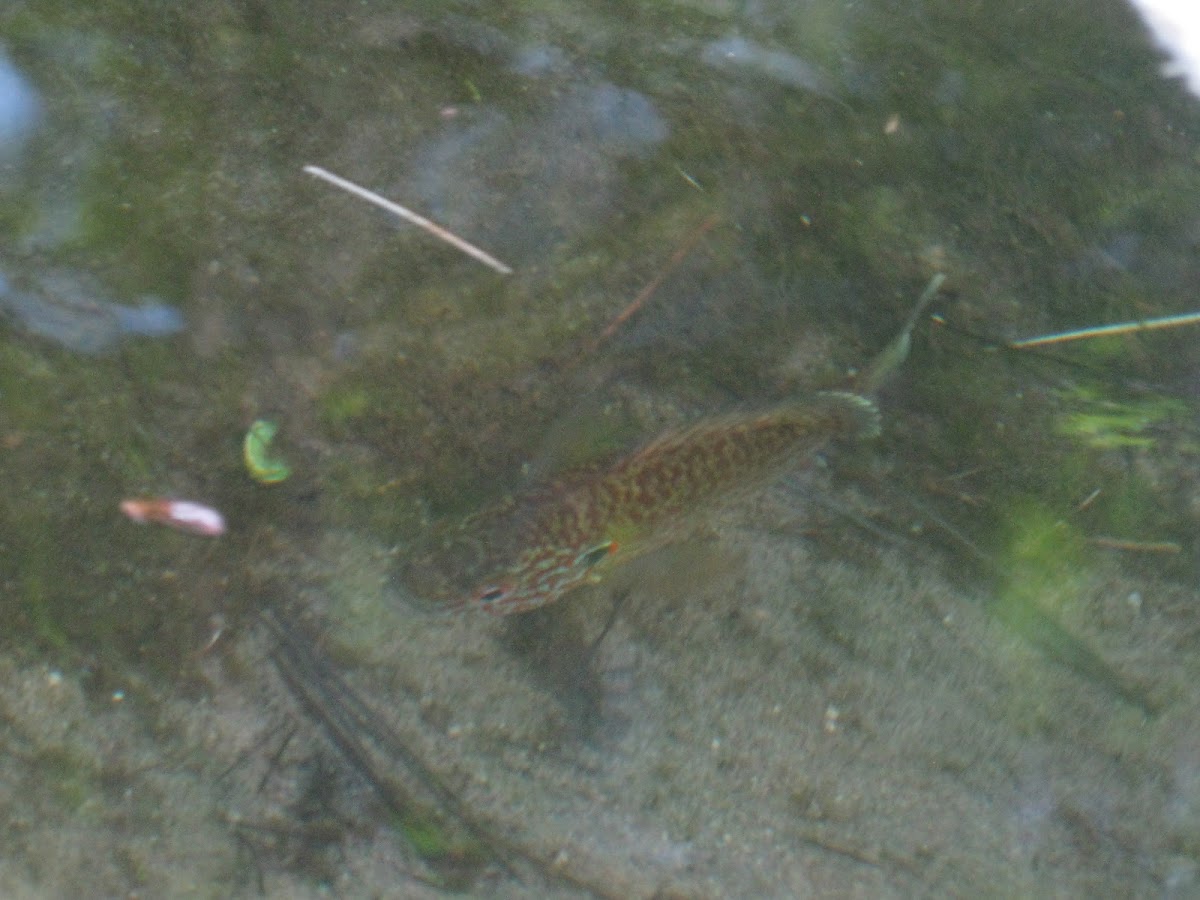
20 109
519 185
68 308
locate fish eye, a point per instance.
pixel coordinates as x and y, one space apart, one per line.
491 594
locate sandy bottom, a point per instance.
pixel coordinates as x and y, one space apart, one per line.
771 714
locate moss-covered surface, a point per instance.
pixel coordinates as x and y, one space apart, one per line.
980 670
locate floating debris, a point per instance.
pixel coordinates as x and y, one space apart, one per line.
184 515
263 468
647 292
403 212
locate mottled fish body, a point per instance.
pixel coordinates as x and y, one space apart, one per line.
570 533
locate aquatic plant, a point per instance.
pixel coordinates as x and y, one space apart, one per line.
1102 423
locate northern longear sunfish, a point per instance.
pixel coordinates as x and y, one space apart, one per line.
569 534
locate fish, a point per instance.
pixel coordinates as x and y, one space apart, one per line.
574 531
571 534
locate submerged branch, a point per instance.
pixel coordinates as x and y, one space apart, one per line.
425 806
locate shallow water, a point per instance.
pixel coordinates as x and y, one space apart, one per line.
960 655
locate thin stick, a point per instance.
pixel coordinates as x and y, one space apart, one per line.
1081 334
1112 543
407 214
647 292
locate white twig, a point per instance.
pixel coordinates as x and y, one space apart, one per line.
1081 334
396 209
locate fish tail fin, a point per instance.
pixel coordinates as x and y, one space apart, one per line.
854 415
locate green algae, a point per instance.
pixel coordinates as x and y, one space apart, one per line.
1046 573
345 405
1107 424
263 467
450 853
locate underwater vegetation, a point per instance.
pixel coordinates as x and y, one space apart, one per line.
1107 424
